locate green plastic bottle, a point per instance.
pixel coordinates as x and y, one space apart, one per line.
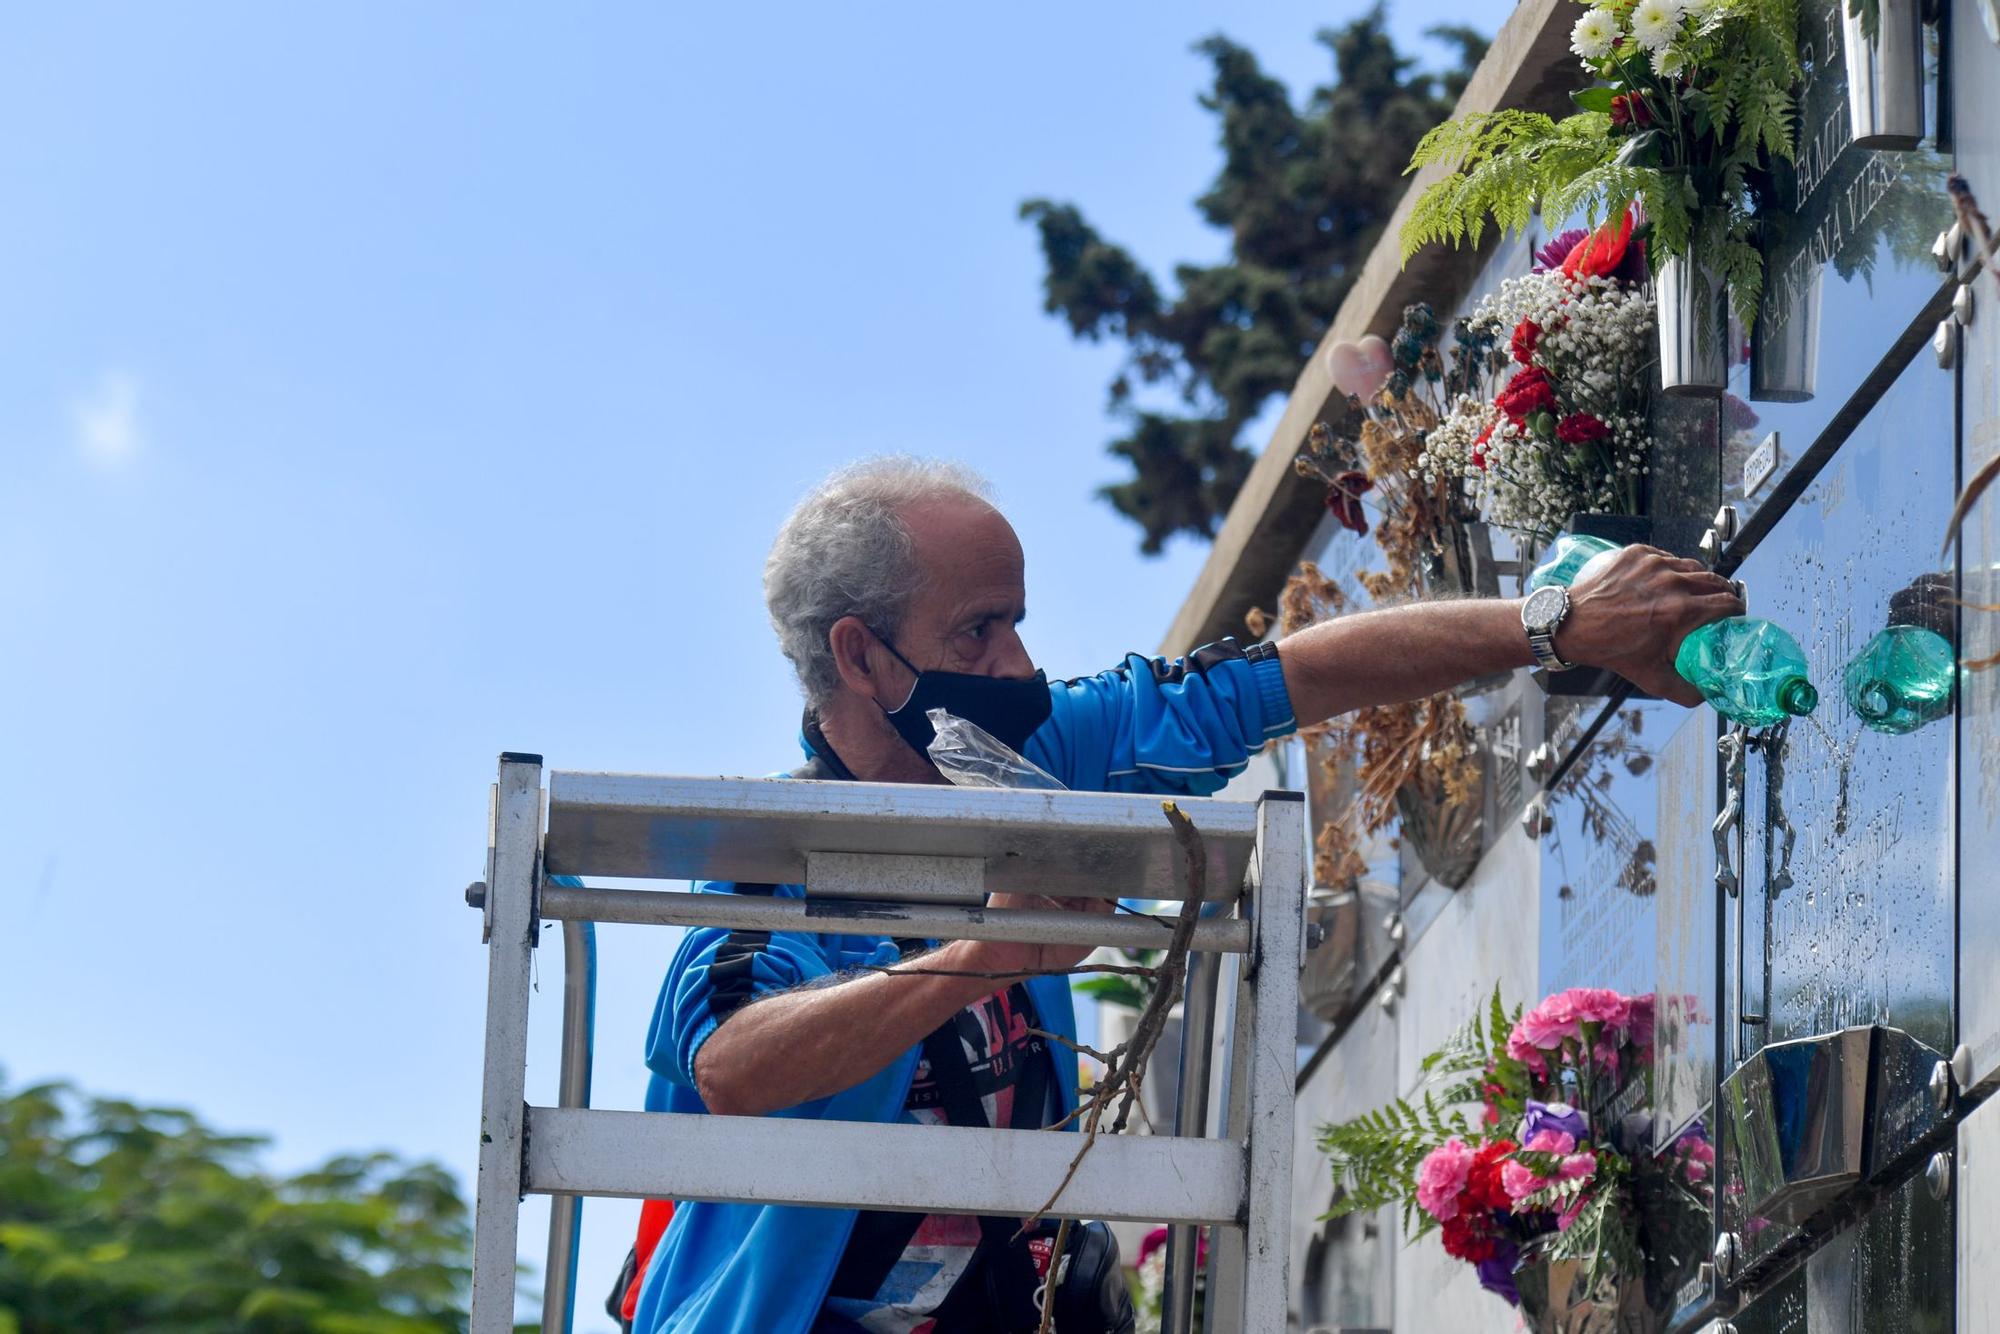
1902 679
1749 670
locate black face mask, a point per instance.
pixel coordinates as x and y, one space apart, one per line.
1008 708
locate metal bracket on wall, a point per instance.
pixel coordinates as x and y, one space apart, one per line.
1720 530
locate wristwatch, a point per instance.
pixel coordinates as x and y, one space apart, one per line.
1541 616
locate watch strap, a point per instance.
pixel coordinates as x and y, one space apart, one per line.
1544 649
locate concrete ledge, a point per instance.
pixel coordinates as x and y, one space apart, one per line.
1529 65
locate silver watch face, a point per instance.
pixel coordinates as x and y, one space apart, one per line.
1544 609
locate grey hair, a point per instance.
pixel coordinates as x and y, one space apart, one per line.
846 551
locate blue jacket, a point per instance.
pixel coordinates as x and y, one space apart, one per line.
1180 728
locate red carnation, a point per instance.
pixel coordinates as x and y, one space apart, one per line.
1468 1239
1629 110
1483 1191
1580 428
1479 446
1602 251
1526 334
1529 392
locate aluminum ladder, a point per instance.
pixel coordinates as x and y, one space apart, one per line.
909 861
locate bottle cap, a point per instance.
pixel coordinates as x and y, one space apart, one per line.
1797 696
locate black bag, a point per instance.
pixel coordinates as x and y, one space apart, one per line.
1088 1287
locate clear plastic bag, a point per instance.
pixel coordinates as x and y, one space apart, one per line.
971 756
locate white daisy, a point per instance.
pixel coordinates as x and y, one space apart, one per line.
1655 23
1593 34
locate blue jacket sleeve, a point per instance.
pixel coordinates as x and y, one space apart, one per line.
1184 727
716 972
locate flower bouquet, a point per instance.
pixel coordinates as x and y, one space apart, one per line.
1528 1151
1693 110
1398 392
1568 432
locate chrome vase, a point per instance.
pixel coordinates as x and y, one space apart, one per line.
1694 327
1885 73
1560 1297
1784 347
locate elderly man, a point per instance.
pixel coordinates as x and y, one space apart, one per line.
895 587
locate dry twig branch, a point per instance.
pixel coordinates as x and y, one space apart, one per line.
1121 1077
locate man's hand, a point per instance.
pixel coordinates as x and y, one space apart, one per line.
1000 956
1630 610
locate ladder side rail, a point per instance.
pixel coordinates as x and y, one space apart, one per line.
510 911
939 1169
1271 1089
579 1035
1190 1119
1251 1264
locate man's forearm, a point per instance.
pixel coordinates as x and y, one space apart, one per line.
820 1040
1399 653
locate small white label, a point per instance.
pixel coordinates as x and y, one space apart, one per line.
1763 461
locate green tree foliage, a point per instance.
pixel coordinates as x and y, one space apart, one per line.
116 1216
1303 195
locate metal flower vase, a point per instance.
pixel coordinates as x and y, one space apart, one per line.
1694 327
1559 1297
1784 348
1460 563
1447 839
1885 72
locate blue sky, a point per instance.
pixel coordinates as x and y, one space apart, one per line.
384 386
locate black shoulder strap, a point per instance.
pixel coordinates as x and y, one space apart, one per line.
945 1050
816 768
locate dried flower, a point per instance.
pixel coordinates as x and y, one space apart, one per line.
1343 500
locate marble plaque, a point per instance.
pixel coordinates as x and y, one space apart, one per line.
1848 270
1848 832
1684 1016
1600 860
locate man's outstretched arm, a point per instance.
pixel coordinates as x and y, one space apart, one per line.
1628 613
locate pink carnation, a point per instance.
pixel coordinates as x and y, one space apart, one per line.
1560 1018
1595 1005
1441 1178
1640 1026
1698 1158
1521 1181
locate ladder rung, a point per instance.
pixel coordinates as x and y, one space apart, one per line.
851 917
928 1169
1106 845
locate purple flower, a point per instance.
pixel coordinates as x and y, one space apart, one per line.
1496 1274
1557 250
1557 1116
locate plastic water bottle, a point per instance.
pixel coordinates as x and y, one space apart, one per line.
1571 552
1902 679
1749 670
